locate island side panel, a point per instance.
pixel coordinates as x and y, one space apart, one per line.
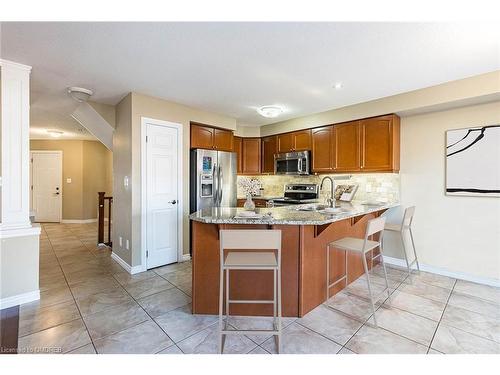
243 284
314 240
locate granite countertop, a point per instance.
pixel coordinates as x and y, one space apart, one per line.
263 197
289 215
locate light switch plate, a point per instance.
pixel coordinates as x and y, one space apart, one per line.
68 180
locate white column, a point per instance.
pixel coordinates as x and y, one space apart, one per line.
15 147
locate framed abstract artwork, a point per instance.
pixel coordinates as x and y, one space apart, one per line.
473 161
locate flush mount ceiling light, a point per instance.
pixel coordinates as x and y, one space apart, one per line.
80 94
270 111
55 133
338 85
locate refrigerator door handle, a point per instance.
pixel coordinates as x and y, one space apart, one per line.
220 185
215 185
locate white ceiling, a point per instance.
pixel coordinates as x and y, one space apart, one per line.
232 68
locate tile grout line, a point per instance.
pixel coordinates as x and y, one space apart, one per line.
72 295
397 334
71 291
126 291
442 314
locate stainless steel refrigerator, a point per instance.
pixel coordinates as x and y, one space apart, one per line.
213 179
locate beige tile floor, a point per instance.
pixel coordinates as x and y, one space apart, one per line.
90 304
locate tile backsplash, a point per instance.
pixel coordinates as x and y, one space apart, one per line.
372 186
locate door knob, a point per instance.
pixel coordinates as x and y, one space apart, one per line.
173 202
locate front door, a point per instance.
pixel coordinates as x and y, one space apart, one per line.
162 197
46 182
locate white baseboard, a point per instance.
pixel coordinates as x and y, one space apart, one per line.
126 266
185 257
444 272
19 299
85 221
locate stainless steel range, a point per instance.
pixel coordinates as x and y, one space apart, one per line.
298 194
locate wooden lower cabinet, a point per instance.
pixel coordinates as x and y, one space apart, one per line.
303 274
259 203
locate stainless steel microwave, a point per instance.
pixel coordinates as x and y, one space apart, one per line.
292 163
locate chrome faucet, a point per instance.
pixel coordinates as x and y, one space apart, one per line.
332 202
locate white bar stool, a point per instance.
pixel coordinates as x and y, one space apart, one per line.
245 259
402 228
361 246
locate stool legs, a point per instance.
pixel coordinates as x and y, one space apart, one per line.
278 296
414 249
402 236
221 304
365 265
385 273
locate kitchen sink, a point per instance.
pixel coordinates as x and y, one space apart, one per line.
312 207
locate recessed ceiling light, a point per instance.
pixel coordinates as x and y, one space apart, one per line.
55 133
338 85
80 94
270 111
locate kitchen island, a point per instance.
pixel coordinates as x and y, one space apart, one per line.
306 231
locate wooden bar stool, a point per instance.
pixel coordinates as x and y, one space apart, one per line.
238 251
361 246
402 229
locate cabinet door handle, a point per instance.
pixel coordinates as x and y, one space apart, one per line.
173 202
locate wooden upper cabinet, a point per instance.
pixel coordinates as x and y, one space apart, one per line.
347 150
208 137
295 141
323 149
269 148
302 140
238 148
380 143
223 140
285 142
251 155
202 136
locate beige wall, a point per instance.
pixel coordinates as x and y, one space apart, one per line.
459 93
122 167
458 234
138 106
88 165
96 175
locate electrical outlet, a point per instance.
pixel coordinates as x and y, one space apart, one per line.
126 244
120 240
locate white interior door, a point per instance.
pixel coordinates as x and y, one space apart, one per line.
162 177
46 179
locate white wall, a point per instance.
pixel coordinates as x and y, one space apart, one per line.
459 234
